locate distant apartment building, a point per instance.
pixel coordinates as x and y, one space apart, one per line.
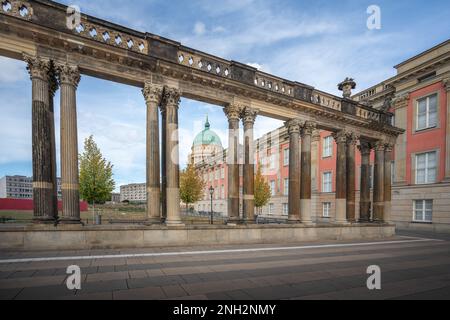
19 187
133 192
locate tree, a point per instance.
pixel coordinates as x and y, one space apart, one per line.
191 185
262 190
96 177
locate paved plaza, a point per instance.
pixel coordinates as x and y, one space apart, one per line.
412 266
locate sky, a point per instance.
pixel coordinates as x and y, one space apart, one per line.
319 43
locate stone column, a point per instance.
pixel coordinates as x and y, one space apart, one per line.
163 166
171 105
364 204
53 86
447 135
352 139
248 119
293 127
315 160
341 177
43 187
233 114
387 182
69 77
378 183
152 94
305 184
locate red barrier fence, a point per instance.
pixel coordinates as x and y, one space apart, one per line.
27 205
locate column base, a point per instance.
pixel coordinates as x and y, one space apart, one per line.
44 220
174 223
151 221
294 221
69 221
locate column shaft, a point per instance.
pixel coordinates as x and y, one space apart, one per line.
163 165
233 113
294 170
341 177
69 78
351 179
171 105
387 182
364 205
152 96
378 185
53 86
305 185
249 117
43 187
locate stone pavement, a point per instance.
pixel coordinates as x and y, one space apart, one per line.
411 269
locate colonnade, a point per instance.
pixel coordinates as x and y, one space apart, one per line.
163 194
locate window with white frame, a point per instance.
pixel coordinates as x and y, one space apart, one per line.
427 112
423 210
426 167
217 174
327 185
222 173
271 208
285 209
392 172
272 162
286 157
327 147
326 209
222 192
286 187
273 190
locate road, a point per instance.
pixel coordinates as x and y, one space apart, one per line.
411 268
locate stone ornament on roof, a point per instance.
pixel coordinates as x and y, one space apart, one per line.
346 87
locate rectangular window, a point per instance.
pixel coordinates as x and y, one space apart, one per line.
222 192
326 209
286 157
273 188
272 162
392 172
222 173
327 147
423 210
427 109
271 209
327 185
426 168
286 187
285 209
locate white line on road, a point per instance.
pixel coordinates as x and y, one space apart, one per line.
187 253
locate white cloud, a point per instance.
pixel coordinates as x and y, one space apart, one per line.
12 71
199 28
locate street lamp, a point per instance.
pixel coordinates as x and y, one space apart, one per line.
211 192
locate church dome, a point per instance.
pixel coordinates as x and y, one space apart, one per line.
207 137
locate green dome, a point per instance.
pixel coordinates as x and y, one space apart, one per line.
207 137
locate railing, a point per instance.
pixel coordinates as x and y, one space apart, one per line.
326 100
204 62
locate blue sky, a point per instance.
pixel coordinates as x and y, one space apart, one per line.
315 42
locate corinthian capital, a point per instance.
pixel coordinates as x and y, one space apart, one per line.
352 138
365 148
380 145
152 93
38 68
249 115
68 74
340 136
294 125
446 83
171 97
308 128
233 112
